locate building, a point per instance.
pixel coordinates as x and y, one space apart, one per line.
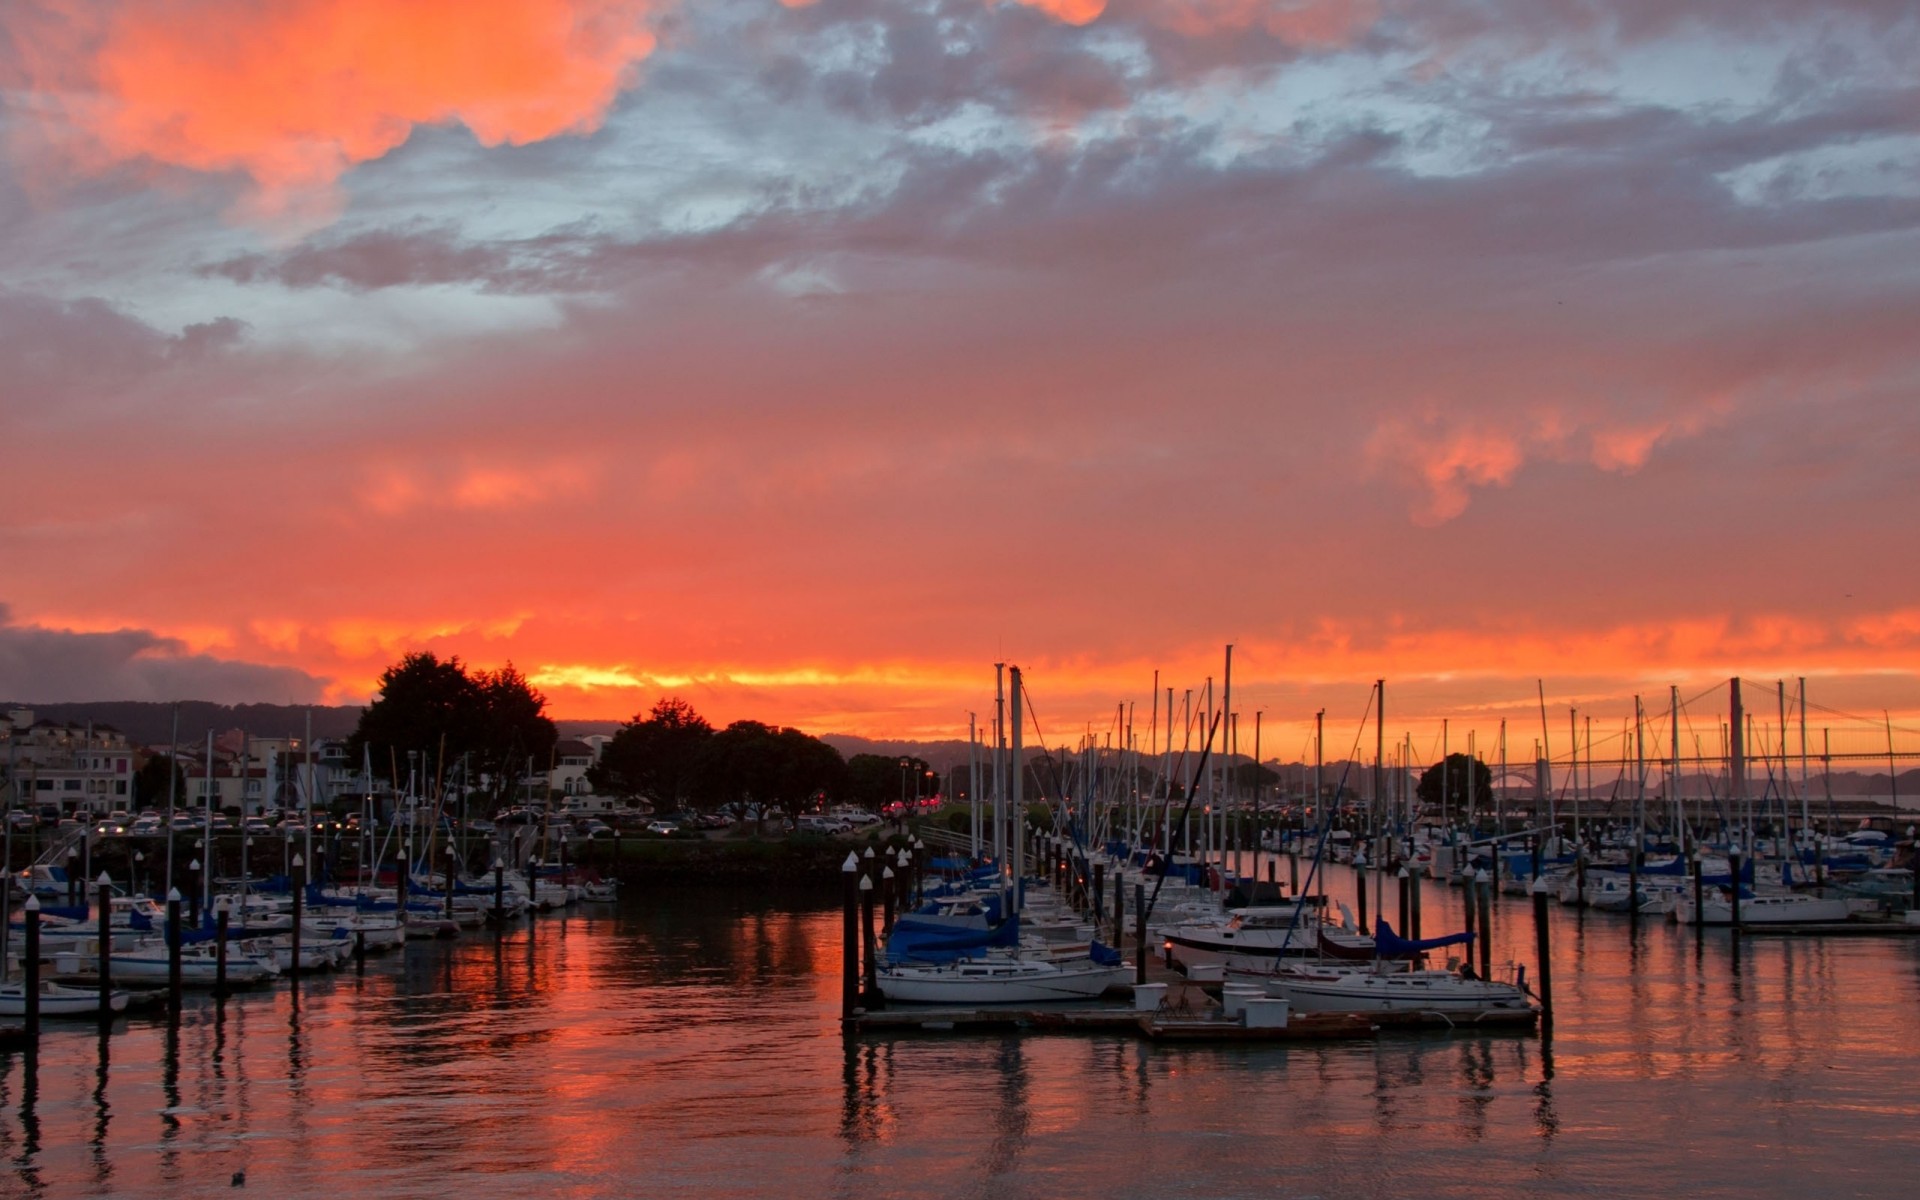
67 770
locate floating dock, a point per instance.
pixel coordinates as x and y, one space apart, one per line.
1878 927
1191 1013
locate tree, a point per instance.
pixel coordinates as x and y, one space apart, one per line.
150 781
877 780
751 763
427 705
1461 773
655 756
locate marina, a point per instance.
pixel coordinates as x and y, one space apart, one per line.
693 1037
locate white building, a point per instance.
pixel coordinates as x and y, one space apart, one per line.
67 770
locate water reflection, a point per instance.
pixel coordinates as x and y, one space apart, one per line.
1008 1141
103 1111
692 1044
25 1159
1545 1119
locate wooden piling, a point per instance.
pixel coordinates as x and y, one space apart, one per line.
1119 913
499 901
1360 888
173 952
1099 891
220 947
850 937
299 894
1543 952
870 992
1413 907
1483 884
889 884
103 900
1699 893
1733 890
1139 933
32 965
1406 884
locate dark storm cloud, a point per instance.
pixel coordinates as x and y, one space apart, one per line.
48 666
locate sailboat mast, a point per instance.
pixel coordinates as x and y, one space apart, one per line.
1018 767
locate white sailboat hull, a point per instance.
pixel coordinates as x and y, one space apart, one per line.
1400 991
997 982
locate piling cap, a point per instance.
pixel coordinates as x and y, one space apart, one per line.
298 861
498 865
866 883
1480 877
173 895
1540 887
105 880
1404 874
869 853
33 904
887 873
852 863
904 858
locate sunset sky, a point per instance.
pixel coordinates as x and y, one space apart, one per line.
807 359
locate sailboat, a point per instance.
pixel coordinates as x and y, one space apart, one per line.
1394 983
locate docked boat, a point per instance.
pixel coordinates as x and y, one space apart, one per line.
998 980
1794 908
1256 938
1393 989
58 1000
149 963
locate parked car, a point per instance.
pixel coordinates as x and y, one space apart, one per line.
145 826
663 828
821 824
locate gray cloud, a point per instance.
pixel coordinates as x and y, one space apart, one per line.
49 666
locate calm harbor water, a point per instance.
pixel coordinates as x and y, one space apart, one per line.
687 1045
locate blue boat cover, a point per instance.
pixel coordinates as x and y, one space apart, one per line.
1388 944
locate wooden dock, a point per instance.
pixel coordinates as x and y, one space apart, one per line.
1161 1027
1190 1013
1879 927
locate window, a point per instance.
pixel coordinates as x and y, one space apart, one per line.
69 785
120 789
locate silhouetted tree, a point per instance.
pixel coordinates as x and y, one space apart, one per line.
150 782
427 704
748 762
654 756
1464 777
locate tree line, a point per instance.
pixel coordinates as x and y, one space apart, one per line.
674 758
496 723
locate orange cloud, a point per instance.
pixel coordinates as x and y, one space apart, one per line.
1073 12
1310 23
293 93
1447 462
394 489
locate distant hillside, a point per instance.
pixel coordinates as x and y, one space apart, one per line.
150 724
